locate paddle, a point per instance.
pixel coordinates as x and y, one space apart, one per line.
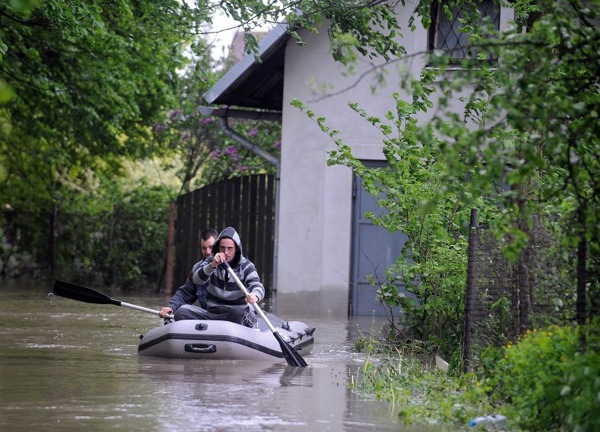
88 295
291 355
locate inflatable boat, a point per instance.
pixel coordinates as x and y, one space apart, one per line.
224 340
270 339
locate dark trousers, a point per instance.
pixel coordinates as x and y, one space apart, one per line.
228 313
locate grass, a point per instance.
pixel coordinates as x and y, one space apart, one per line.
548 380
421 394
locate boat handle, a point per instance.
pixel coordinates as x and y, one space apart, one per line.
200 348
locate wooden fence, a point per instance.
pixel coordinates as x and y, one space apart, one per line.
244 203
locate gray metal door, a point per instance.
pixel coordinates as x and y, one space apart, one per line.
374 249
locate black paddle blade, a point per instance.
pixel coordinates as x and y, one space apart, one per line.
291 355
81 293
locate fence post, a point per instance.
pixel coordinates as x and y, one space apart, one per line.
170 249
470 292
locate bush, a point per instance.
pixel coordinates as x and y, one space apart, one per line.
551 377
116 236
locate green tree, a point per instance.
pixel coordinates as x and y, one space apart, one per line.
88 80
536 112
526 143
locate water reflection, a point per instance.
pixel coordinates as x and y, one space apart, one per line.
68 365
183 371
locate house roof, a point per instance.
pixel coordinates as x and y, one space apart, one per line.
252 84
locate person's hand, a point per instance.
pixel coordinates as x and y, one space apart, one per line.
165 311
251 298
218 259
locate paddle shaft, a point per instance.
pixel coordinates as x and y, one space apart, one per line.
292 357
88 295
143 309
246 293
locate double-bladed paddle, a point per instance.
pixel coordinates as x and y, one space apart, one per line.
88 295
292 356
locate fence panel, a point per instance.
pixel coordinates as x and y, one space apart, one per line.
494 308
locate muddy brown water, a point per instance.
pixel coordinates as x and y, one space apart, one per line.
68 365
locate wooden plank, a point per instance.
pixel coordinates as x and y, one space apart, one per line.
268 231
246 217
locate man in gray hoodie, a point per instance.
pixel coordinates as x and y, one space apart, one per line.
224 299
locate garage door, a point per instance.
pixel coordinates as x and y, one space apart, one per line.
374 249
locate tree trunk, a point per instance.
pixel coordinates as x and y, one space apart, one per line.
523 275
51 258
170 250
470 292
581 269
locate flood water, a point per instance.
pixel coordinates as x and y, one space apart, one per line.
68 365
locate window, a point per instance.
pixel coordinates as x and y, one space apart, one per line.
444 32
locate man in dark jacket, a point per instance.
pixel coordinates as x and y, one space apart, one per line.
190 291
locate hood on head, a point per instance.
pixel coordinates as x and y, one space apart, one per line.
232 234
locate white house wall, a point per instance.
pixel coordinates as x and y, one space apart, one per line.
315 213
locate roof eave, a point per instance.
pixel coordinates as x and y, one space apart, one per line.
244 66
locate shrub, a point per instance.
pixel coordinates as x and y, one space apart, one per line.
115 236
551 377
